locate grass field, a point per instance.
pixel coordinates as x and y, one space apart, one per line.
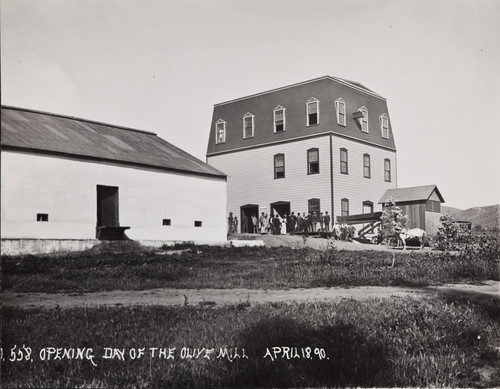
392 342
131 267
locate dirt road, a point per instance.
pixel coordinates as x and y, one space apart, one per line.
219 297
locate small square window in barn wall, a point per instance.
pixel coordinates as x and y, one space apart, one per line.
166 222
197 223
42 217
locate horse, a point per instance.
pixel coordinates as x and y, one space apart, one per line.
414 233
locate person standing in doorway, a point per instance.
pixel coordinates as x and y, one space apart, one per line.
244 219
255 226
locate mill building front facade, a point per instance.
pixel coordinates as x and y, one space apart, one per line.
324 145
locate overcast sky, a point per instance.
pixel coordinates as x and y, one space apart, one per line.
161 65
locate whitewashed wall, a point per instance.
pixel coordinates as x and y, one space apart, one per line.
65 189
354 186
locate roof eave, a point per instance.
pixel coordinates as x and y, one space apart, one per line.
113 161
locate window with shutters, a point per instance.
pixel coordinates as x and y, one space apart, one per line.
364 119
312 108
313 161
279 166
387 170
220 131
344 206
279 119
384 126
340 111
366 166
248 125
343 161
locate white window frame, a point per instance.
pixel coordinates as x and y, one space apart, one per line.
279 108
387 170
344 151
252 116
340 103
311 150
217 141
367 166
312 100
344 207
282 156
364 119
384 126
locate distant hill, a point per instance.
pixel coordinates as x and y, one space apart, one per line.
486 217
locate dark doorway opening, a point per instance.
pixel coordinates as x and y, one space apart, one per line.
282 208
246 213
108 226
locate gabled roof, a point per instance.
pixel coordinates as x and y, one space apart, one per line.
46 133
415 193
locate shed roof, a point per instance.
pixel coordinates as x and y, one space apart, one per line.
47 133
415 193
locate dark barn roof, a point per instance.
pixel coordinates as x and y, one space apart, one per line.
416 193
46 133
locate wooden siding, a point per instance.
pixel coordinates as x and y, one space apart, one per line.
434 196
432 222
251 176
354 186
416 215
433 206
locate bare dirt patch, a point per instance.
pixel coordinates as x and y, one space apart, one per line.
219 297
314 242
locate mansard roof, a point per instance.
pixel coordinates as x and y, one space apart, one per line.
293 98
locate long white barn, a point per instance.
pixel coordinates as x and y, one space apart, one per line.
69 178
317 146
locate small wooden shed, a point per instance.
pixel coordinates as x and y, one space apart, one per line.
422 205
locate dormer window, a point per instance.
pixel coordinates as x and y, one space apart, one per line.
220 131
279 119
248 125
340 111
364 119
384 126
312 107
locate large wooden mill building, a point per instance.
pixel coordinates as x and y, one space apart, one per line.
321 145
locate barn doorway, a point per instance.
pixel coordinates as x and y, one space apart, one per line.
108 226
107 206
246 213
282 208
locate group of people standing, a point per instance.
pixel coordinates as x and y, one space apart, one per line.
291 224
277 225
